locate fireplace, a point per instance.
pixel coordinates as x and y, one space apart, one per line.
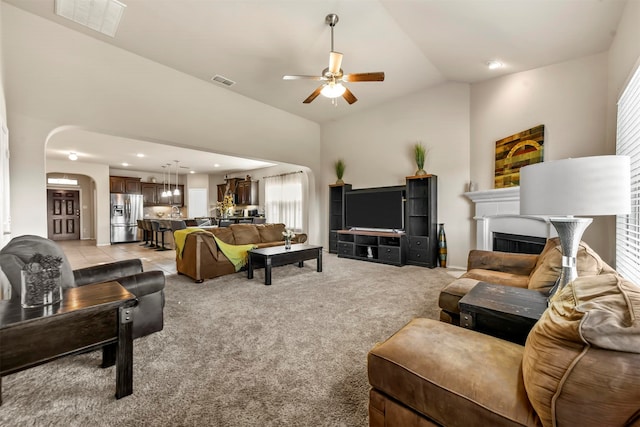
500 227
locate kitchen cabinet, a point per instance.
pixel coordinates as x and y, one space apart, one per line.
152 195
244 192
123 184
247 192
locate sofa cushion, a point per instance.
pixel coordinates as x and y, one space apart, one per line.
271 232
223 233
549 265
452 375
581 364
245 234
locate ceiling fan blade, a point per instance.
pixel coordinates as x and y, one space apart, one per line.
303 78
349 97
335 61
364 77
313 96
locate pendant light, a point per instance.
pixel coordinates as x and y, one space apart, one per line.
164 182
176 192
167 192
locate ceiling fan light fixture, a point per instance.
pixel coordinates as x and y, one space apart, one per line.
333 90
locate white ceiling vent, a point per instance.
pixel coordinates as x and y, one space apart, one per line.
99 15
222 80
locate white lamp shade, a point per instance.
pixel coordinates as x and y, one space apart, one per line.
590 186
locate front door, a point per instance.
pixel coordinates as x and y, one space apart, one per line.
63 214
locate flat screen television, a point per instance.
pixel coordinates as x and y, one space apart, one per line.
375 208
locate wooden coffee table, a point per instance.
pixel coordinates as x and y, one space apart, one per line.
502 311
276 256
88 317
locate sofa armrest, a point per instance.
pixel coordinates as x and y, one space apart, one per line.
513 263
300 238
145 283
107 272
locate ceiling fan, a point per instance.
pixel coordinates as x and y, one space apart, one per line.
333 75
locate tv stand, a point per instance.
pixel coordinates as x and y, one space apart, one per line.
387 247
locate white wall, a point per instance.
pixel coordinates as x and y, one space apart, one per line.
568 98
101 88
377 148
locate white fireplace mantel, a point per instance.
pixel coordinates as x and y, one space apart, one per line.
498 211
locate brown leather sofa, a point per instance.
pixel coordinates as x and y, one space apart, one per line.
580 366
538 272
202 259
147 286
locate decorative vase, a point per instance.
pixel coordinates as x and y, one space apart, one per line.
287 243
442 246
420 172
40 287
339 181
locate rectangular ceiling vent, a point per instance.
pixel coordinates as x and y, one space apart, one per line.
99 15
222 80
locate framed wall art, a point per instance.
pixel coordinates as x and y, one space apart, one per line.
515 151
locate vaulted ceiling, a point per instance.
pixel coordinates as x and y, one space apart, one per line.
417 43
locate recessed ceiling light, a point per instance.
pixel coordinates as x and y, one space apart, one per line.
73 156
192 171
99 15
494 65
216 165
139 155
125 164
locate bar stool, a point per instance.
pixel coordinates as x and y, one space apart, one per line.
145 233
157 228
149 229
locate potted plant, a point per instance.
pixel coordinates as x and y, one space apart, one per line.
420 153
339 167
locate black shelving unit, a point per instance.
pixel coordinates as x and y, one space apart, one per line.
373 246
421 220
336 213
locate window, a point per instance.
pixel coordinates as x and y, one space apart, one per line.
628 144
283 199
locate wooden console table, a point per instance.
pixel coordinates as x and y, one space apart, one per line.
88 317
503 311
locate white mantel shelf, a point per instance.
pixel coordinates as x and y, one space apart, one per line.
498 211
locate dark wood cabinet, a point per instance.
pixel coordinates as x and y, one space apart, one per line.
123 184
152 195
421 220
336 213
245 192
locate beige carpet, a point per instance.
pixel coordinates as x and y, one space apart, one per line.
237 353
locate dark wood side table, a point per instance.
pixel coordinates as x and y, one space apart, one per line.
89 317
277 255
502 311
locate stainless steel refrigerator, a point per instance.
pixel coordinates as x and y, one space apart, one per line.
126 210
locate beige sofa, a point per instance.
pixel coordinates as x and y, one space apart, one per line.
580 366
201 258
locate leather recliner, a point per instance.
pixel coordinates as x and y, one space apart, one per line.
147 286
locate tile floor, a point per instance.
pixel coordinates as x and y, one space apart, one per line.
85 253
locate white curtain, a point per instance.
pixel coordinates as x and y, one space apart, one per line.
283 199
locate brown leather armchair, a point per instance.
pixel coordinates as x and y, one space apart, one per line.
147 286
580 366
538 272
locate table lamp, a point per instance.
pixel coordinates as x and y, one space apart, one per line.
585 186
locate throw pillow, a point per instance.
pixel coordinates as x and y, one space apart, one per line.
549 265
245 234
270 232
581 362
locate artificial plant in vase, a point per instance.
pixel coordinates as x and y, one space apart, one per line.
420 153
339 167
